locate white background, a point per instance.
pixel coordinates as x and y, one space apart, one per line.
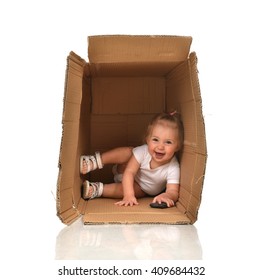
37 36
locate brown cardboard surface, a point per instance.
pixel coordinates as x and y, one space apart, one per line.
108 103
126 48
103 210
131 95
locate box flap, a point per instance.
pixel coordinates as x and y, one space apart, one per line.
68 176
130 48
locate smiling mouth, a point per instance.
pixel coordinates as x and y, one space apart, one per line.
159 155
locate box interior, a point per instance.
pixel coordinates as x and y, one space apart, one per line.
109 102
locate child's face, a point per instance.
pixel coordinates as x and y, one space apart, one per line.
162 143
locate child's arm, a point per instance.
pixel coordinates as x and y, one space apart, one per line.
170 196
128 183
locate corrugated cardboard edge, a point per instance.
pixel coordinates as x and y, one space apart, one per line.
192 212
67 212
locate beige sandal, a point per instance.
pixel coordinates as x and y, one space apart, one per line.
93 162
91 190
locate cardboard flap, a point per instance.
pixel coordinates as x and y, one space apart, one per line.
127 48
68 165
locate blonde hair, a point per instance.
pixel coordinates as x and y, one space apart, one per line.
174 119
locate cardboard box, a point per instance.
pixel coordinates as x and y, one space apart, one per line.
108 103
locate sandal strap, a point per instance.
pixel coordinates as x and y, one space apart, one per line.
92 190
97 189
98 160
93 162
93 165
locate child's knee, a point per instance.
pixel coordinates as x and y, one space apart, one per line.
129 150
120 168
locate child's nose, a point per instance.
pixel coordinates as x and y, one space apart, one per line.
160 146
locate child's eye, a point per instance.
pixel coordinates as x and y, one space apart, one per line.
169 142
154 139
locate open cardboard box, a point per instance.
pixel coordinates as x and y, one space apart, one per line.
108 103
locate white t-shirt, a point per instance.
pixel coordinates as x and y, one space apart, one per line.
153 181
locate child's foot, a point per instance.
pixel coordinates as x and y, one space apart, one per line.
91 190
90 163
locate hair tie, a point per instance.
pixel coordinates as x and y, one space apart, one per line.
172 113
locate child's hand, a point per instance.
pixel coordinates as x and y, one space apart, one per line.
127 201
163 197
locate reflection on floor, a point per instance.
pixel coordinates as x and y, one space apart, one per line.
116 242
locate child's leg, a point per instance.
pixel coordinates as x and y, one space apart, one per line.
115 190
114 156
117 155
